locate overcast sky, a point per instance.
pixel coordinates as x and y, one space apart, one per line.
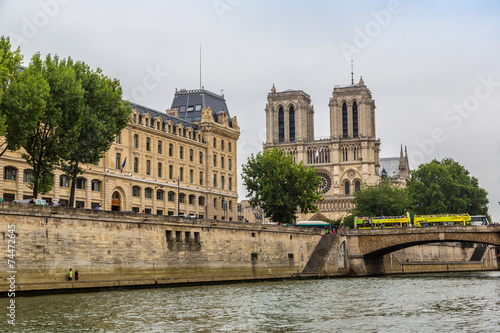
433 67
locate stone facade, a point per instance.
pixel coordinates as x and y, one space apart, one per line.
345 160
251 214
171 166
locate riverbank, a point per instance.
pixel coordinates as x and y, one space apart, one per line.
114 250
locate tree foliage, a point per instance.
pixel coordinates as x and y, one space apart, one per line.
385 198
38 107
103 115
446 187
10 61
280 186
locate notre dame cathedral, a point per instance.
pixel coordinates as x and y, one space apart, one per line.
345 160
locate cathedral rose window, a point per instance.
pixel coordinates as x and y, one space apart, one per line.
326 182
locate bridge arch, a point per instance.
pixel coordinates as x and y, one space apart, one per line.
379 242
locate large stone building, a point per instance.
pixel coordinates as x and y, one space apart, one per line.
179 162
345 160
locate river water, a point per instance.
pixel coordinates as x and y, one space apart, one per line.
465 302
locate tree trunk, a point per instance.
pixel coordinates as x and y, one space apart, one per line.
35 180
74 176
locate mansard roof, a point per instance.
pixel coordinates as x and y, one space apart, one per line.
188 100
143 110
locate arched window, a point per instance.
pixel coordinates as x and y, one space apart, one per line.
281 125
159 195
357 185
201 201
63 181
136 191
345 132
171 196
136 141
355 119
181 197
192 199
96 185
347 188
291 115
148 193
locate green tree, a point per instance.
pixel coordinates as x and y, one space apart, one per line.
10 61
348 221
385 198
280 186
39 105
445 186
103 116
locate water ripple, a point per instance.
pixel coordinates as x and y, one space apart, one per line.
467 302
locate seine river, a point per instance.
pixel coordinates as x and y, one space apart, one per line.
468 302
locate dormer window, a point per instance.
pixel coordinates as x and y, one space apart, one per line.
197 107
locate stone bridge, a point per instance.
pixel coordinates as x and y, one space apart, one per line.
364 249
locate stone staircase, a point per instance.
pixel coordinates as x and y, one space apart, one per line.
318 257
478 253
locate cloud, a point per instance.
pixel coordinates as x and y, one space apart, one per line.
427 58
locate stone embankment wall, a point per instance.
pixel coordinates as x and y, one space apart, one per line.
122 249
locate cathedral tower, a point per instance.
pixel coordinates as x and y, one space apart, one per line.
352 112
289 116
346 160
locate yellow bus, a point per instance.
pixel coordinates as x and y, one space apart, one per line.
441 219
382 222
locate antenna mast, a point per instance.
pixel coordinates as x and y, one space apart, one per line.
200 65
352 72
